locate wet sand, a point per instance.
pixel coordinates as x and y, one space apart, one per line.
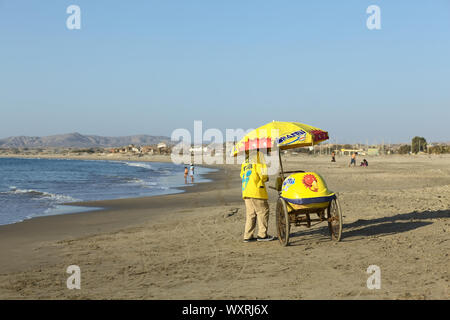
189 245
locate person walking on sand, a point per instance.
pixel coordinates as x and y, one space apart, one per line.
185 175
333 156
254 175
191 173
353 159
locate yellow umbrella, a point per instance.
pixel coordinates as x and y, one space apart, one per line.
284 135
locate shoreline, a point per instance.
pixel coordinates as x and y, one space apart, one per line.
99 157
90 204
18 239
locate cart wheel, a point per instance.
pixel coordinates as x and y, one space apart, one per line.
334 217
283 226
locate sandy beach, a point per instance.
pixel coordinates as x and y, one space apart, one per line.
189 245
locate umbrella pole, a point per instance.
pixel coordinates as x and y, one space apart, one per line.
281 164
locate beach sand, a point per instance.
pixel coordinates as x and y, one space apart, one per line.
189 245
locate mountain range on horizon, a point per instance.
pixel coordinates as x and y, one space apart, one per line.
77 140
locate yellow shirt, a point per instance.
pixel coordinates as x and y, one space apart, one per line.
254 176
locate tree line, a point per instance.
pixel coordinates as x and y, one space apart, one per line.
419 144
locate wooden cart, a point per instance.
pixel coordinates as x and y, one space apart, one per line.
288 213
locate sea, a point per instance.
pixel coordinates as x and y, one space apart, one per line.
38 187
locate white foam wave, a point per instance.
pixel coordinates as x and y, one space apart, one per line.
143 183
139 164
60 198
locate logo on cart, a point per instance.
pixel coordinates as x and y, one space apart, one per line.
310 182
287 183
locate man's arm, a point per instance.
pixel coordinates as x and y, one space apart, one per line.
263 173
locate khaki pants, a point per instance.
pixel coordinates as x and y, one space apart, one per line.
257 211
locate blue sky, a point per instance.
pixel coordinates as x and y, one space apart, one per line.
149 67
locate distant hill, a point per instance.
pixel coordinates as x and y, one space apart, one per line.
77 140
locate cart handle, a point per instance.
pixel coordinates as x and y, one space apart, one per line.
296 171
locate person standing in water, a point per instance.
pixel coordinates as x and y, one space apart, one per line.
191 173
185 175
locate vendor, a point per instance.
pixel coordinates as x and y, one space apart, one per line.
254 175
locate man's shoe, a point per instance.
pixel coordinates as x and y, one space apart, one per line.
267 238
249 240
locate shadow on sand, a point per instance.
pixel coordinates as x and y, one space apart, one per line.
378 227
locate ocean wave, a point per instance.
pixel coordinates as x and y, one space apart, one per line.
143 183
135 181
139 164
36 194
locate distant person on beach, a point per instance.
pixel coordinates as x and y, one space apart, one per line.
185 174
333 157
191 173
364 163
254 175
353 159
